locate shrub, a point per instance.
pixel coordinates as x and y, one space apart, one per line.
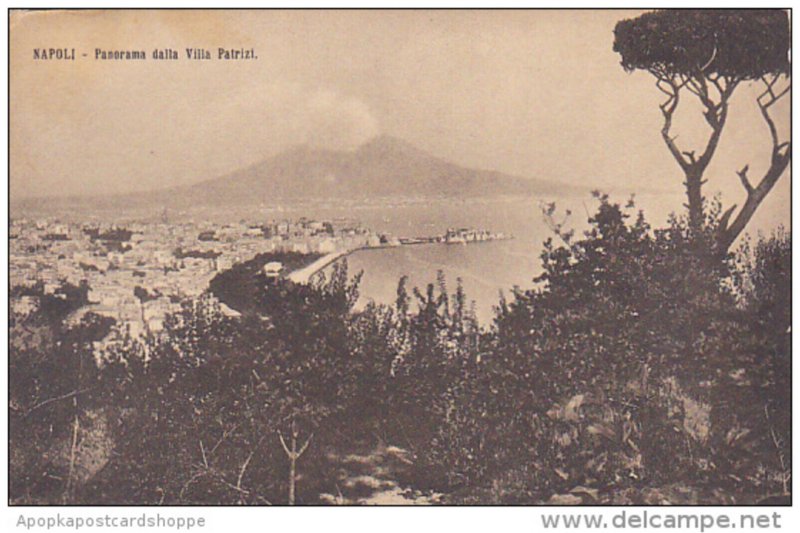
589 375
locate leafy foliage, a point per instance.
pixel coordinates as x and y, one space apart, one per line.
743 44
54 385
218 390
237 286
752 416
604 375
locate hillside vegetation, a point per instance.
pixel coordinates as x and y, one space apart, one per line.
639 368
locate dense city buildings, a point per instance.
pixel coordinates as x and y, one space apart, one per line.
140 272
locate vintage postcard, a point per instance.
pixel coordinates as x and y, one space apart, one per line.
399 257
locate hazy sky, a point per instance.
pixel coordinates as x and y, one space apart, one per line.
534 93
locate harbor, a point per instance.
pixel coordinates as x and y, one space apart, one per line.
462 236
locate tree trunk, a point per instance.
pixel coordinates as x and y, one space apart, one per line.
293 454
694 195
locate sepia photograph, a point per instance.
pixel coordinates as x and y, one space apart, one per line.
399 257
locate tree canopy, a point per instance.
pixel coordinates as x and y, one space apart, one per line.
733 43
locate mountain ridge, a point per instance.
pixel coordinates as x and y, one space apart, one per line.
385 166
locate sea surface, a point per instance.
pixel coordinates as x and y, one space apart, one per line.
485 269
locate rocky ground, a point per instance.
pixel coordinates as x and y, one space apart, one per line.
371 478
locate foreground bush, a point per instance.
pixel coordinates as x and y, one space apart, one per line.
616 371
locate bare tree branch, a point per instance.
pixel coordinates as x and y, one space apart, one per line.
73 452
743 178
203 452
247 462
56 399
764 104
304 446
283 443
189 481
786 473
781 154
224 436
244 468
217 476
668 87
717 85
710 59
244 492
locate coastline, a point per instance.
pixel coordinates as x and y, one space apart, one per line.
305 274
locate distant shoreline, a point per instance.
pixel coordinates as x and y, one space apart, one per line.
102 205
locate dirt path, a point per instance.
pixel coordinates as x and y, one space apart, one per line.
371 479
